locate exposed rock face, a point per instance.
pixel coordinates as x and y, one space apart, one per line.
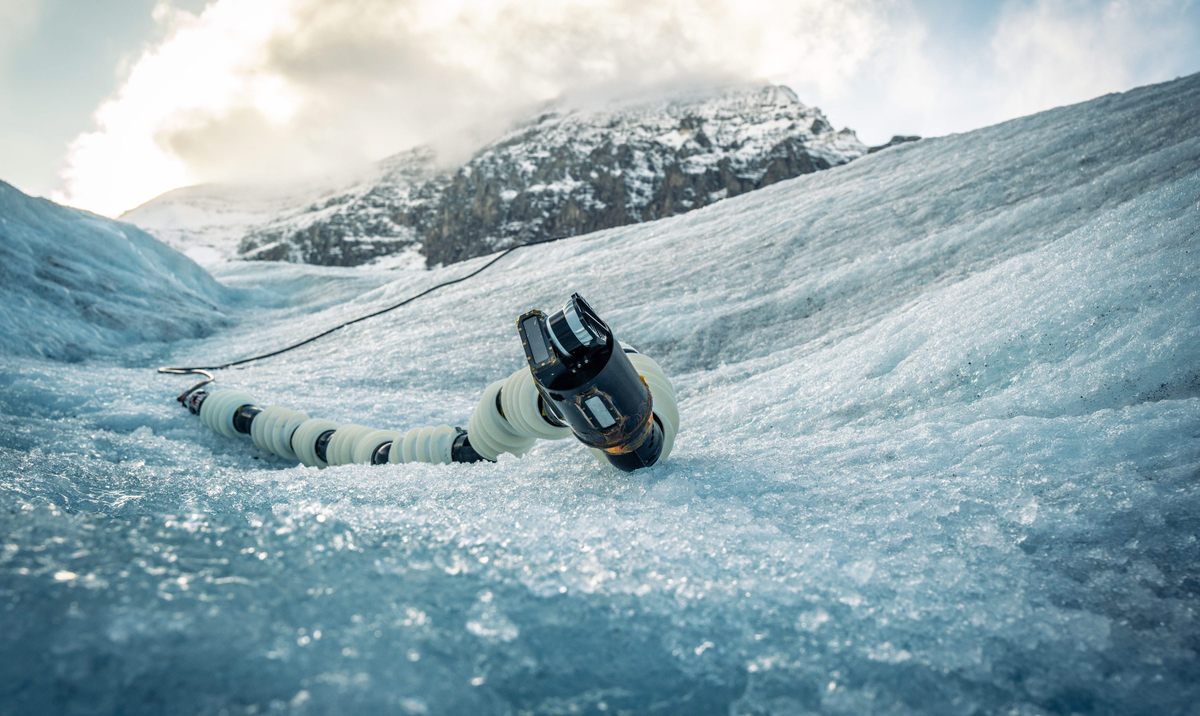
565 173
571 173
380 216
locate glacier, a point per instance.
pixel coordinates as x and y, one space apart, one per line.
74 284
939 453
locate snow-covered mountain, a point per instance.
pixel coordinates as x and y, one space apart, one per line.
571 173
939 450
564 173
346 220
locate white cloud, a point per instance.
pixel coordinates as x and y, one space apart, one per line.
210 69
1036 55
258 89
269 88
1056 52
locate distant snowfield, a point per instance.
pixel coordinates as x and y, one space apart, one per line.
208 222
939 453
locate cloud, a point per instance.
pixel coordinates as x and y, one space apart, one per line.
1032 56
1056 52
209 69
252 90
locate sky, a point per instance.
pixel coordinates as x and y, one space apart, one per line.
105 105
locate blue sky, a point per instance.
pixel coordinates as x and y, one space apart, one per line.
107 104
58 61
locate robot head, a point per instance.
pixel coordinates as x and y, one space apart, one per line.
587 381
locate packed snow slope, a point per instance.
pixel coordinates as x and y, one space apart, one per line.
73 283
939 454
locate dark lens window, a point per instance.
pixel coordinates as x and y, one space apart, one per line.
537 342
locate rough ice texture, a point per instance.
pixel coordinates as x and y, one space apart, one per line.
73 283
939 455
562 173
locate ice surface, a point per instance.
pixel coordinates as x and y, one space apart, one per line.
939 454
73 284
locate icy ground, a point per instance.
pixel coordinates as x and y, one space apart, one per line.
939 455
73 284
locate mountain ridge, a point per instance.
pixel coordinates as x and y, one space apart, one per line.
564 172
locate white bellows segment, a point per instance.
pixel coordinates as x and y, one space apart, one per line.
367 444
490 433
340 450
305 440
511 424
433 444
272 429
662 395
521 404
218 409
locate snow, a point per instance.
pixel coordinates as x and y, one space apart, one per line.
209 222
73 284
939 447
410 259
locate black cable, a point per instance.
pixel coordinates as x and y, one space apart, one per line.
203 369
188 371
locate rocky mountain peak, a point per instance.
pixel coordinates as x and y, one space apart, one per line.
565 171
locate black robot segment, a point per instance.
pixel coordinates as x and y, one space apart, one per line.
584 375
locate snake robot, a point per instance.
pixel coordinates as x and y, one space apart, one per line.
579 380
